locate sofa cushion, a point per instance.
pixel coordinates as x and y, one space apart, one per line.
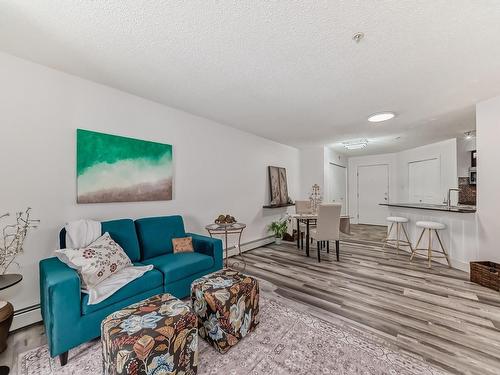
95 262
179 266
150 280
155 234
123 232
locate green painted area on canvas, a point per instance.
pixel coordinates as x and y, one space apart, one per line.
94 148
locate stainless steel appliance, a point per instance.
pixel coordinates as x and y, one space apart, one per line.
472 176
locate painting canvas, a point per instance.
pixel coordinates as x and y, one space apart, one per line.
111 168
274 186
278 185
283 186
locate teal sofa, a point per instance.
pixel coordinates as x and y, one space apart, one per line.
69 321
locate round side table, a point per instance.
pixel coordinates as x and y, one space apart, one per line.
226 230
6 314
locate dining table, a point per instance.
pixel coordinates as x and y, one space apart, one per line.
311 219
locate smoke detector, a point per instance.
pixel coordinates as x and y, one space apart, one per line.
358 37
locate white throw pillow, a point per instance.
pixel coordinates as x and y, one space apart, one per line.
97 261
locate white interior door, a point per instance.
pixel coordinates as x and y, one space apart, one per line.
373 189
337 186
424 181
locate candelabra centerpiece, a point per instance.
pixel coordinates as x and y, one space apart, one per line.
315 198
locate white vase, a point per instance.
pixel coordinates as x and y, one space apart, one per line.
277 240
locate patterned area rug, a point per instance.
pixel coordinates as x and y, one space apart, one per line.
287 341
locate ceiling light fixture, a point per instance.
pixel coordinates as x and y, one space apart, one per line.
355 145
381 116
358 37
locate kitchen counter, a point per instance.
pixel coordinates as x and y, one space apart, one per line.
434 207
459 237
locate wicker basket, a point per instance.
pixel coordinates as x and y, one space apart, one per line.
486 274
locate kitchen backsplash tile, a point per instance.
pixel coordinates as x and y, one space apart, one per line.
467 193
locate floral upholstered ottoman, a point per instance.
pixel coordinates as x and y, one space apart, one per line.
227 305
156 336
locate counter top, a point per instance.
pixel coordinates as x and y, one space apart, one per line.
434 207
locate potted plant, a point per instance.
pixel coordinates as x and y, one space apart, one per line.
11 245
279 228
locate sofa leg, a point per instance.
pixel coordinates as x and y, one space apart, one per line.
63 358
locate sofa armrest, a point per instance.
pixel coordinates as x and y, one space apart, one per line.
60 298
209 246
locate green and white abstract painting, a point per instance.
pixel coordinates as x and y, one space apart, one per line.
111 168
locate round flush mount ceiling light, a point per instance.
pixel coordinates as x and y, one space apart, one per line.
381 116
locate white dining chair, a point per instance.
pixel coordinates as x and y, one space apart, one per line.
327 227
302 208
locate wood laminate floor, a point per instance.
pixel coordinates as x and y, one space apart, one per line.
437 314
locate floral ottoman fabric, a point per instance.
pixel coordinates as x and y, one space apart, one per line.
157 336
227 305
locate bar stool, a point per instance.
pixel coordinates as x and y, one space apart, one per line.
399 221
430 226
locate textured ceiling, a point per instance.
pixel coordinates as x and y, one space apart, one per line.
285 70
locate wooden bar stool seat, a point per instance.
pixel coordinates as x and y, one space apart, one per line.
397 242
429 227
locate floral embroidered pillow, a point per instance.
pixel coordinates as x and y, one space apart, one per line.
96 262
183 245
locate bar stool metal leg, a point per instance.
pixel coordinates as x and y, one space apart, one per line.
428 252
413 252
442 248
429 249
388 235
397 237
399 242
407 238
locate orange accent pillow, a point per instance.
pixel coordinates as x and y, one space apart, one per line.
183 245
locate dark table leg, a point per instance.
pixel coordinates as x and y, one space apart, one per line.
4 370
337 248
298 234
225 235
307 237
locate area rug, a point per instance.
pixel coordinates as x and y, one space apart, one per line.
287 341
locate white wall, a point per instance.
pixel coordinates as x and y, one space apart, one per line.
312 170
218 169
464 148
488 183
446 151
354 163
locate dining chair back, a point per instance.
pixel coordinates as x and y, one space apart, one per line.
328 223
303 207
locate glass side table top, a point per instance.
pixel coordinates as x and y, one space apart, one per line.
224 227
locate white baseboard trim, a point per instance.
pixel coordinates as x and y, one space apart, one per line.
457 264
26 317
247 246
